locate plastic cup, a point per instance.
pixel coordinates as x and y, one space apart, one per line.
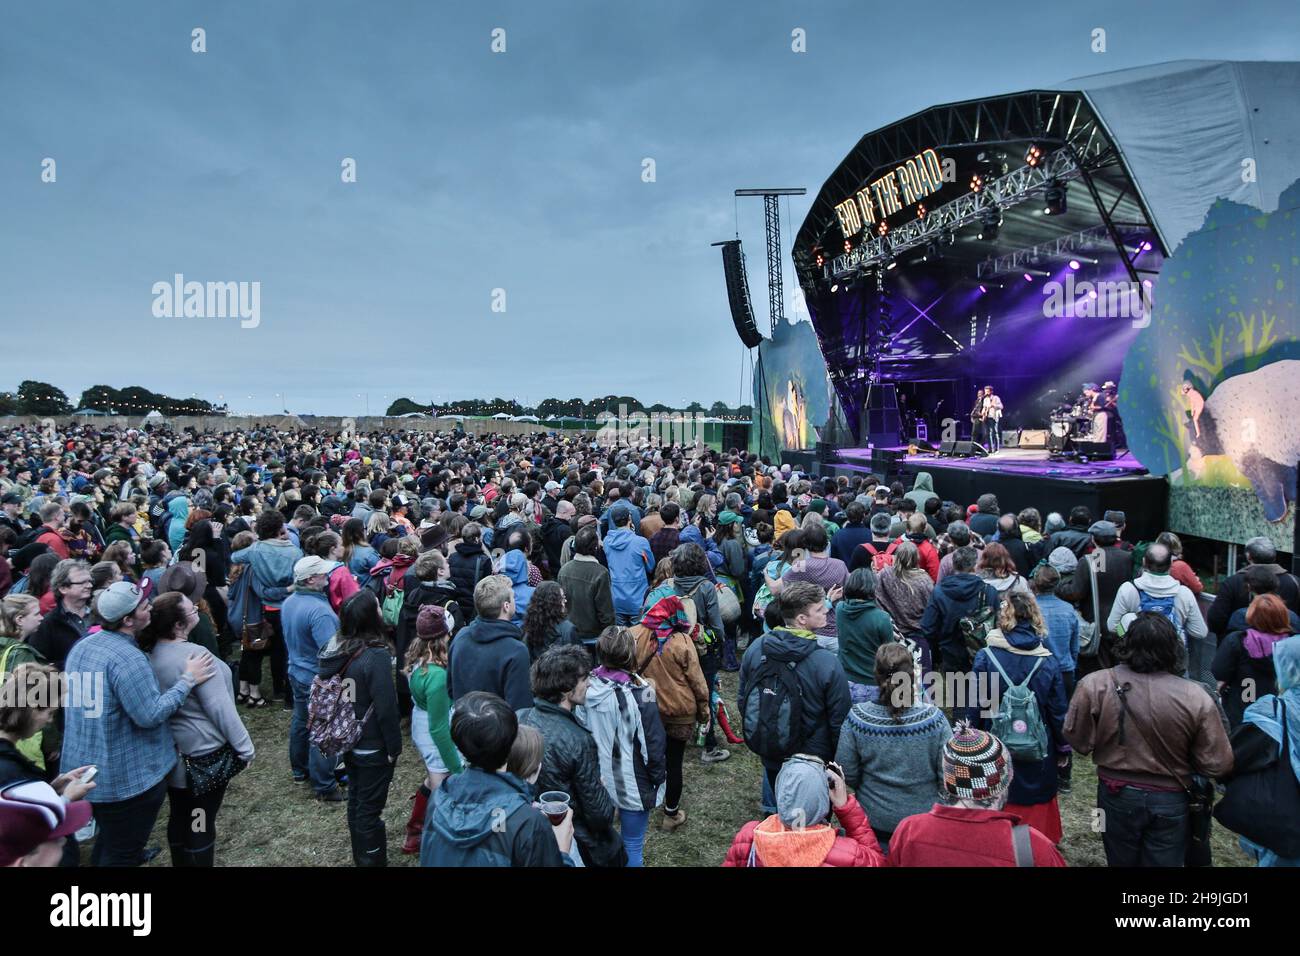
555 804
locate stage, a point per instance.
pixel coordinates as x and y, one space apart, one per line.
1023 478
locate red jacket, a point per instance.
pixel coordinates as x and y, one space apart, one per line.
780 846
955 836
927 556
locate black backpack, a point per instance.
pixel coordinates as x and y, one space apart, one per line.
27 537
774 708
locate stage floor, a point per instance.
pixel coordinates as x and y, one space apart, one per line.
1028 462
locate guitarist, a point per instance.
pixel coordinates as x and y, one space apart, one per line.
991 418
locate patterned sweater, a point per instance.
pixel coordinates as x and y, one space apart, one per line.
894 766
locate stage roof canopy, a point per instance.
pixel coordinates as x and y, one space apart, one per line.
954 216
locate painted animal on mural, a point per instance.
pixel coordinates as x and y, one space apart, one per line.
1252 419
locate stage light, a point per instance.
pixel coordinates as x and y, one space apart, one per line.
891 264
1074 264
820 260
882 228
1146 247
982 289
1028 277
1054 197
835 287
990 221
1034 156
920 211
1146 283
977 183
848 246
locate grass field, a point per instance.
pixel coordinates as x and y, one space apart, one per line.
267 820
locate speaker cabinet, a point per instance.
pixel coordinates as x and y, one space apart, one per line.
742 313
1032 438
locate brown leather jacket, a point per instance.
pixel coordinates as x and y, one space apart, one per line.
1172 728
680 688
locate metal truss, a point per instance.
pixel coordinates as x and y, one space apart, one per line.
1001 193
1059 248
775 282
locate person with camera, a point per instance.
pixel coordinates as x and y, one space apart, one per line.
808 790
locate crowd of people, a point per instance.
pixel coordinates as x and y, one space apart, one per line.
546 622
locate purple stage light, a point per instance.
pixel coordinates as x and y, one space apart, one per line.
982 289
1147 283
1146 247
1092 293
1074 264
1028 277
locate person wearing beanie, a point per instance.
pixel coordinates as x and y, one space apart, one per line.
1065 563
123 729
425 667
972 827
308 623
807 791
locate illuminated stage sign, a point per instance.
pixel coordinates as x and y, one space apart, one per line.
903 186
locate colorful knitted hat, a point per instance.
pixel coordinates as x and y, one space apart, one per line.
975 765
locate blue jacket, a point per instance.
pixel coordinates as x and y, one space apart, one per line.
691 535
954 596
308 623
1019 652
630 562
515 566
1062 630
362 559
479 818
847 539
271 564
490 655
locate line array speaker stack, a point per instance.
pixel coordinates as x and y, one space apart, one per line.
742 313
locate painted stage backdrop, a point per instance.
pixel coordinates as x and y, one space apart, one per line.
1210 394
792 394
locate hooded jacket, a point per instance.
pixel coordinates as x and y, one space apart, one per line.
1129 601
372 674
479 818
673 671
771 843
922 491
956 595
554 533
630 562
571 764
861 627
623 716
468 564
490 655
179 507
1017 653
515 566
823 686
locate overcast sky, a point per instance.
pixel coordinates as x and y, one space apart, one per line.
476 171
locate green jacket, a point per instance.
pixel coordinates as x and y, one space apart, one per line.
861 626
429 691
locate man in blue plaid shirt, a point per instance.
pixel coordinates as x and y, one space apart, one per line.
116 719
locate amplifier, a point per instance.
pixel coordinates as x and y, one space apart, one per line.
1033 438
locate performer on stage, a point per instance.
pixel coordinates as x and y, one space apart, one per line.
991 419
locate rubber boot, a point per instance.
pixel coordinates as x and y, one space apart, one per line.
415 825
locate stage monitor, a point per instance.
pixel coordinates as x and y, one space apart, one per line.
742 313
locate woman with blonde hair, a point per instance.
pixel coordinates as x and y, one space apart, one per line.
1016 657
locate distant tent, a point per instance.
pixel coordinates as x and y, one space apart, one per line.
154 416
524 418
90 411
501 416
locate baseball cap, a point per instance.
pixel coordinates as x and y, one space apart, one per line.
31 813
311 566
118 600
11 498
478 511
